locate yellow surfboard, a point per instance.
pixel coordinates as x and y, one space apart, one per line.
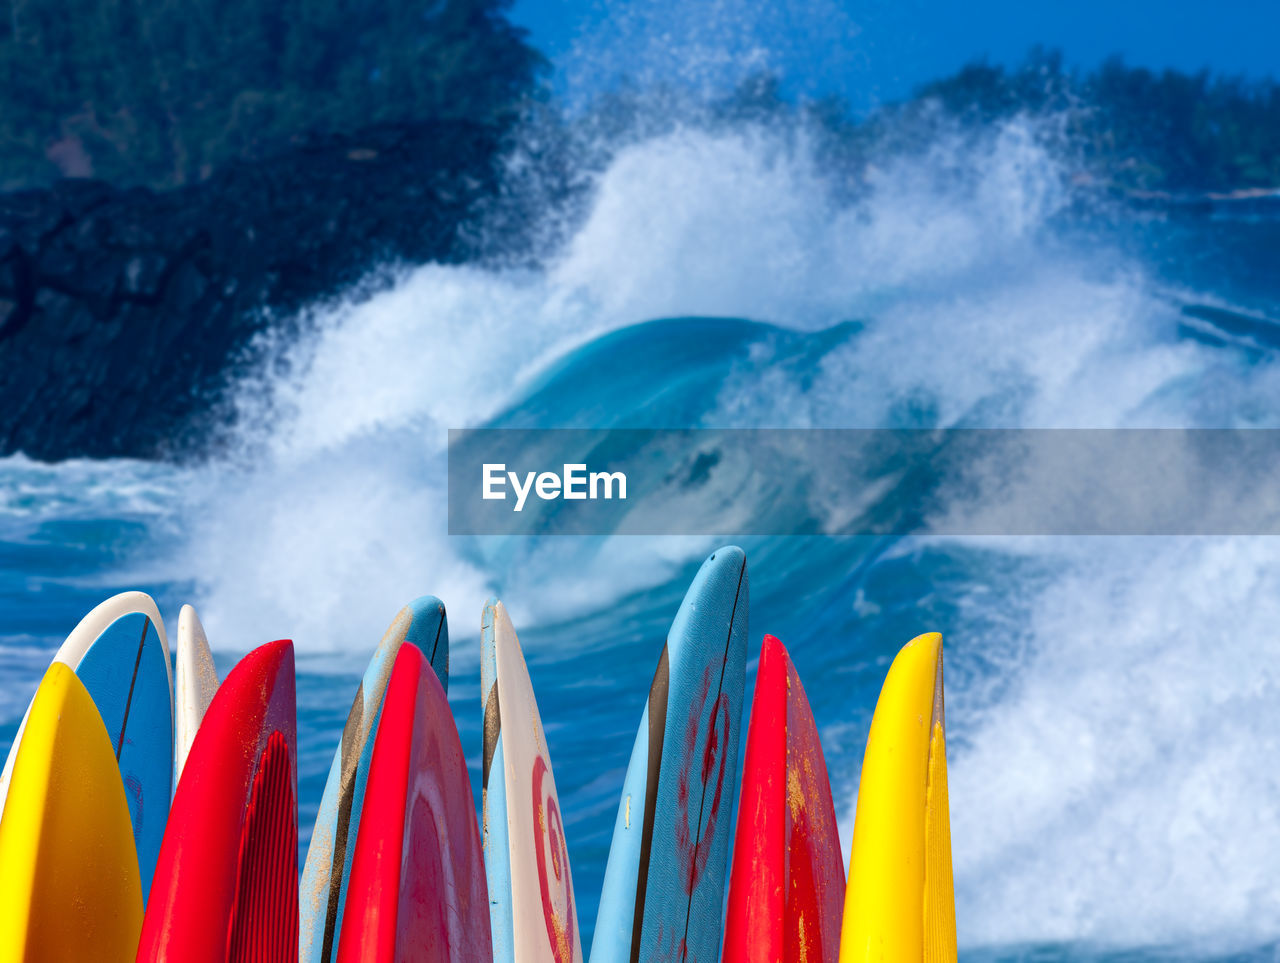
900 901
67 857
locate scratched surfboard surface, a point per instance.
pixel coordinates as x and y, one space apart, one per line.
786 890
327 872
120 653
663 893
542 911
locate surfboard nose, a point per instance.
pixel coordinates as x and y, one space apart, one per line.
728 556
900 861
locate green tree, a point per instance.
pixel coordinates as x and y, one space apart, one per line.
161 92
1145 130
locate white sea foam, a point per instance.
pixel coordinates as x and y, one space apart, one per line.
333 505
1124 792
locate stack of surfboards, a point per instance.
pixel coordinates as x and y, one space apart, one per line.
788 898
85 790
151 814
394 870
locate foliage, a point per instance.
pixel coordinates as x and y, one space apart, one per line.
1147 130
160 92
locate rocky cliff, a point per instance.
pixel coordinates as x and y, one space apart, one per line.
123 313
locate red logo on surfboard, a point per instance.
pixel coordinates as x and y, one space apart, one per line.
556 887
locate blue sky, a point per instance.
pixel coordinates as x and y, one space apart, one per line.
877 50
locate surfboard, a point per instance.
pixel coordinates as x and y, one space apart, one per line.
527 864
226 884
493 798
194 682
417 888
663 894
121 654
327 870
67 857
900 901
786 889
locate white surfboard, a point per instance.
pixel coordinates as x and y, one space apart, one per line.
194 683
544 916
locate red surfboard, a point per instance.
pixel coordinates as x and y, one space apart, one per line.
786 891
226 884
417 889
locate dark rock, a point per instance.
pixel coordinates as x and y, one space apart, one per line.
122 312
143 272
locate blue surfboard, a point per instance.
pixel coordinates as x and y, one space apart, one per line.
497 845
663 894
327 870
120 653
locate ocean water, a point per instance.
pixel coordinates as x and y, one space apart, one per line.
1113 703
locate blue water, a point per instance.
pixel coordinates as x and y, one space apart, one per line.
1113 704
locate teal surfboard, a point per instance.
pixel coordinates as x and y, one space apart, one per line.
120 653
327 870
663 894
